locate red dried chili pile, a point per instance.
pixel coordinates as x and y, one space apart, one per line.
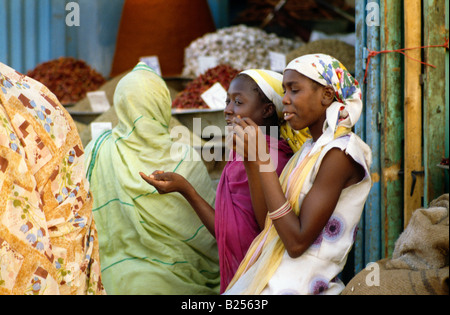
68 78
190 97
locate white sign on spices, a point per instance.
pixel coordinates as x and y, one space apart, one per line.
277 61
152 62
215 97
205 63
99 102
98 128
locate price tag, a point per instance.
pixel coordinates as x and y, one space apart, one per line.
99 102
277 61
215 96
205 63
152 62
98 128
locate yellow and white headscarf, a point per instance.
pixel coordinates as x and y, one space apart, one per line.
270 83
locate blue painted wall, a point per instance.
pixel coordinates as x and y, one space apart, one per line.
34 31
368 240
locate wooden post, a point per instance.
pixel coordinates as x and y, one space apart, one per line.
434 98
392 125
447 109
413 110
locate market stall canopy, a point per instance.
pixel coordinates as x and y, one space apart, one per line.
157 28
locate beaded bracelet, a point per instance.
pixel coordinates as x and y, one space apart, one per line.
280 212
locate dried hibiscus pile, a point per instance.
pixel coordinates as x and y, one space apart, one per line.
68 78
190 97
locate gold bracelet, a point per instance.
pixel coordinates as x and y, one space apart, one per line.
280 212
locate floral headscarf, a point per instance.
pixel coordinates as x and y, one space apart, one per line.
328 71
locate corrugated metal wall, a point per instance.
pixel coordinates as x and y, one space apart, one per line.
34 31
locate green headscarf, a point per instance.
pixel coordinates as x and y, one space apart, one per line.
149 243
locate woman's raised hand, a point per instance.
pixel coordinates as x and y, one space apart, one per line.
249 141
166 182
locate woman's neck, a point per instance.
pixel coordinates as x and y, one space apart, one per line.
316 129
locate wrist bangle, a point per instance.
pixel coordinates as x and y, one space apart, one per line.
280 212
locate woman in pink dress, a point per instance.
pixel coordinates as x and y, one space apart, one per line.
237 218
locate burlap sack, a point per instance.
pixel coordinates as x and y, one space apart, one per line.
425 241
419 264
398 281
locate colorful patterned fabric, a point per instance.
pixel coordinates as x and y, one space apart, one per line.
267 267
149 243
48 238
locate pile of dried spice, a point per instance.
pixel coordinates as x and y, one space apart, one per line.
190 97
68 78
241 46
340 50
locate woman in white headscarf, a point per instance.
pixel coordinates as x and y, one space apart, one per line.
315 207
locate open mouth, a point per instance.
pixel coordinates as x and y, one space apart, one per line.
288 116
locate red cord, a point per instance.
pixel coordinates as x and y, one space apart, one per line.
373 53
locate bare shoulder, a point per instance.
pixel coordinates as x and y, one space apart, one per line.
340 167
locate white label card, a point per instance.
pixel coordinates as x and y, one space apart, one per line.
99 102
98 128
277 61
215 96
152 62
205 63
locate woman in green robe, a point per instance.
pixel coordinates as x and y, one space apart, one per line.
149 243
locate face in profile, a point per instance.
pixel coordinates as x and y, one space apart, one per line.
244 100
302 101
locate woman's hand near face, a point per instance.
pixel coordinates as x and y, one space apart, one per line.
249 141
